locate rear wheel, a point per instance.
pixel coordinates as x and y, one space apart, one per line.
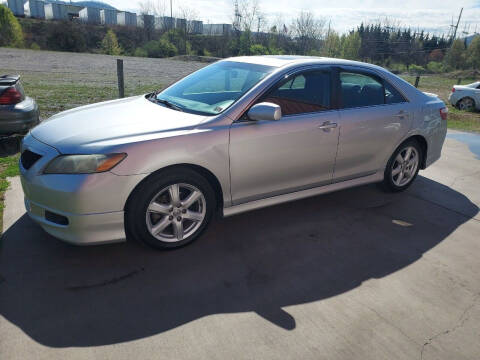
466 104
170 209
403 166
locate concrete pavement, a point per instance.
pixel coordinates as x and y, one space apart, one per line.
357 274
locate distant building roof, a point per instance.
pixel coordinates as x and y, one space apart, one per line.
90 3
94 4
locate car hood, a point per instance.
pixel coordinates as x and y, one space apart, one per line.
112 123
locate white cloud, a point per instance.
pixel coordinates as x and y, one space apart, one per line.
431 15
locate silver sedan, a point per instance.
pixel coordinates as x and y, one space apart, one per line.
237 135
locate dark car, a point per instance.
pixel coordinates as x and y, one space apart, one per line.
18 113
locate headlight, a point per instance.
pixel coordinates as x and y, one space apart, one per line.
83 164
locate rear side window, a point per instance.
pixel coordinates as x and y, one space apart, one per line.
360 90
392 96
303 93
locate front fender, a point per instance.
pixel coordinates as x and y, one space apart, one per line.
207 148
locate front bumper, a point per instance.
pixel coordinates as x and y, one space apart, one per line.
19 118
81 209
83 229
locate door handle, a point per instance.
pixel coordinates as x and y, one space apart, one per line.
327 125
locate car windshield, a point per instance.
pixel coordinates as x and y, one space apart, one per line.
214 88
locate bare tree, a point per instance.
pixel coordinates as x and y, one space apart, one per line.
189 14
247 17
308 30
153 7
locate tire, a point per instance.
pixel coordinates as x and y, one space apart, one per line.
400 175
158 217
466 104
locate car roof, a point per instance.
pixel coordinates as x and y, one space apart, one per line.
286 60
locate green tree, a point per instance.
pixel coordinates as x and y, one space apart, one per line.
473 53
110 44
160 48
140 52
67 36
332 46
258 49
455 57
351 45
245 42
10 30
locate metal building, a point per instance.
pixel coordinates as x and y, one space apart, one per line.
16 6
108 17
217 29
164 23
90 15
195 27
146 21
56 11
180 24
35 9
126 18
73 11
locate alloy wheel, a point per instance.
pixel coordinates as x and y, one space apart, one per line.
405 166
176 212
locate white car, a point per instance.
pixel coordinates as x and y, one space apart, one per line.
466 97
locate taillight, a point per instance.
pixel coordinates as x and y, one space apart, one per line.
11 96
453 90
444 113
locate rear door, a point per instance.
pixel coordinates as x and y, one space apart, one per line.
374 116
269 158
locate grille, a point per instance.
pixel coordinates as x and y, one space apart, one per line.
29 158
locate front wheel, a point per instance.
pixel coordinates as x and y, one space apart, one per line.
170 209
403 166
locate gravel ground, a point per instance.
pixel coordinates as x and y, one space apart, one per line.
60 81
90 66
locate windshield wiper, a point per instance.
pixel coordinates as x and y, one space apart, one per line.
167 103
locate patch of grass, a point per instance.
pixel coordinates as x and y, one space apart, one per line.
56 92
8 168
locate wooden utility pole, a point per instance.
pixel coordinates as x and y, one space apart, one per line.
121 83
456 27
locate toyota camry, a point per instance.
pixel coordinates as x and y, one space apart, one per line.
237 135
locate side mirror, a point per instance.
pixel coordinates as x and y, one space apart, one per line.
265 111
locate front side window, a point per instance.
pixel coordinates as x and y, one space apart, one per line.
214 88
302 93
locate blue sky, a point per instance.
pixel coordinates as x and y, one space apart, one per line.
432 15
